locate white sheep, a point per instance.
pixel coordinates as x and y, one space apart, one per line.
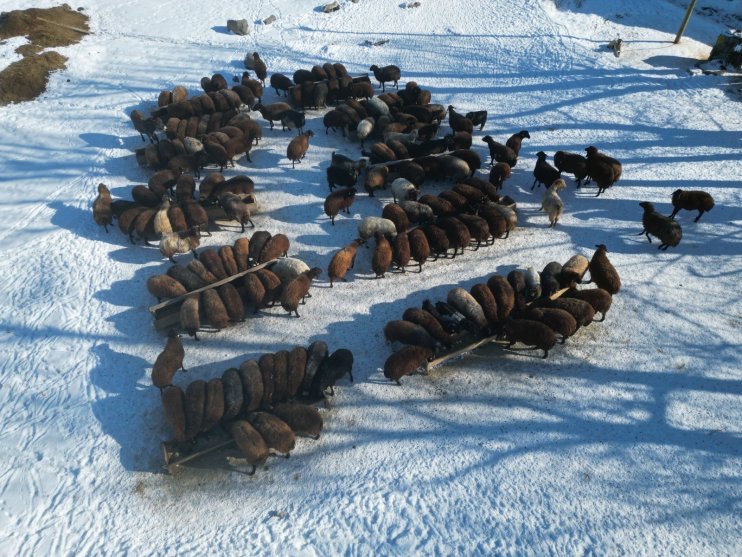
364 129
552 203
179 242
370 225
288 268
403 190
380 106
162 221
468 306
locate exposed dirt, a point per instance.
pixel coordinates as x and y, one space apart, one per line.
26 79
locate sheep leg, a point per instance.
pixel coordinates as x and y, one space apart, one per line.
700 212
534 184
247 156
546 353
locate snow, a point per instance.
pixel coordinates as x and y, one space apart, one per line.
626 440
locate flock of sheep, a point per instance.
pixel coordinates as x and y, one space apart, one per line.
214 129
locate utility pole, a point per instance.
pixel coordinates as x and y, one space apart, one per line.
685 21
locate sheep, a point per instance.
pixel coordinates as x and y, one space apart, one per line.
173 402
431 325
288 268
474 196
387 73
254 291
338 160
602 271
409 170
143 226
457 233
454 168
549 278
694 200
250 443
459 122
276 433
419 247
343 260
280 375
186 277
297 290
145 126
189 316
603 169
510 216
298 147
573 163
236 209
405 361
405 332
164 286
487 301
281 82
439 206
468 306
300 76
102 211
169 361
251 379
195 400
272 112
397 215
478 118
417 213
317 353
233 394
543 172
517 281
179 242
380 153
426 132
487 188
573 271
478 228
533 284
552 204
142 195
341 177
214 309
277 246
371 225
532 333
293 120
213 263
266 364
599 298
364 129
200 270
382 256
361 89
557 320
504 294
240 250
332 368
471 158
232 302
272 284
500 152
401 253
257 242
213 404
515 141
449 323
581 310
259 67
339 201
301 418
403 189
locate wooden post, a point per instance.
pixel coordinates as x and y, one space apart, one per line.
685 21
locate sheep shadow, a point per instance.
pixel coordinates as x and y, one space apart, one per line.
221 29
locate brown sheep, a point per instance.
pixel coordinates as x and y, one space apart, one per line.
195 400
301 418
599 298
427 321
189 316
186 277
504 296
164 286
272 284
419 248
214 404
230 263
266 363
233 394
401 254
397 215
515 141
297 364
343 260
102 212
376 179
298 147
558 320
297 290
695 200
200 270
276 246
276 433
602 271
280 376
486 299
410 333
339 201
252 385
251 444
173 402
382 256
456 231
405 361
437 239
168 361
214 310
458 122
232 302
581 310
531 333
499 173
241 249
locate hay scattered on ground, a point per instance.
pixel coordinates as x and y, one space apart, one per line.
27 79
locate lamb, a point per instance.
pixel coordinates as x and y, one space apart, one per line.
317 353
478 118
504 294
533 284
189 316
277 246
302 419
272 112
397 215
557 320
298 147
145 126
382 256
405 332
599 298
339 201
532 333
515 141
236 209
602 271
419 247
543 172
343 260
603 169
164 286
405 361
667 230
297 290
581 310
468 306
572 163
428 322
250 442
214 309
332 368
517 281
276 433
233 394
293 120
341 177
500 152
252 385
694 200
387 73
259 66
401 253
232 302
573 271
552 203
550 278
499 173
169 361
102 211
484 297
179 242
173 402
403 189
371 225
288 268
459 122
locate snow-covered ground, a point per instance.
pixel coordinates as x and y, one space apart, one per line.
626 440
